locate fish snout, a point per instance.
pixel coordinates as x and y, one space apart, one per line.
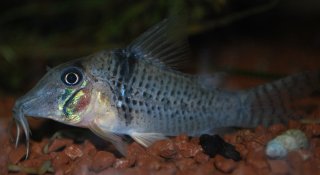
28 104
17 108
18 112
21 121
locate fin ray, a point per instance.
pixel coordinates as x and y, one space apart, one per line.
146 139
161 44
115 139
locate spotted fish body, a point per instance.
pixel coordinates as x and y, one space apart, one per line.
153 99
132 91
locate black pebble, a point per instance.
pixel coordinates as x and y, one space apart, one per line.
213 145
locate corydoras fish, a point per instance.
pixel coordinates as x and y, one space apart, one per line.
132 91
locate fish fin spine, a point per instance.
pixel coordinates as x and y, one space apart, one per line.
146 139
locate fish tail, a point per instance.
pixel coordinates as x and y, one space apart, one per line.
270 103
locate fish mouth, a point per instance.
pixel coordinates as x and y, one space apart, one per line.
21 121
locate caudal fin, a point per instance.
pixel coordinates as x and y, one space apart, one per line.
269 103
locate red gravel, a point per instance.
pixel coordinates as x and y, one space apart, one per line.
178 155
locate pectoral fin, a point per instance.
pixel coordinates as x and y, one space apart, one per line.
146 139
115 139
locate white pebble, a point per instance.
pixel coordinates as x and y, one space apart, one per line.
290 140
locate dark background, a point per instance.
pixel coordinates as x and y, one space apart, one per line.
253 40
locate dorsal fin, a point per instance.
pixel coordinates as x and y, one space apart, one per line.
163 44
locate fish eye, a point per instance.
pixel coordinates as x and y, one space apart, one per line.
71 76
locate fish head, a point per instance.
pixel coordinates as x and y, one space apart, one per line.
63 94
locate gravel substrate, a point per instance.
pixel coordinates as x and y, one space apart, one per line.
178 155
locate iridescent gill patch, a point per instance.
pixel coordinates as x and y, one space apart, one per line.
72 108
64 97
72 102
